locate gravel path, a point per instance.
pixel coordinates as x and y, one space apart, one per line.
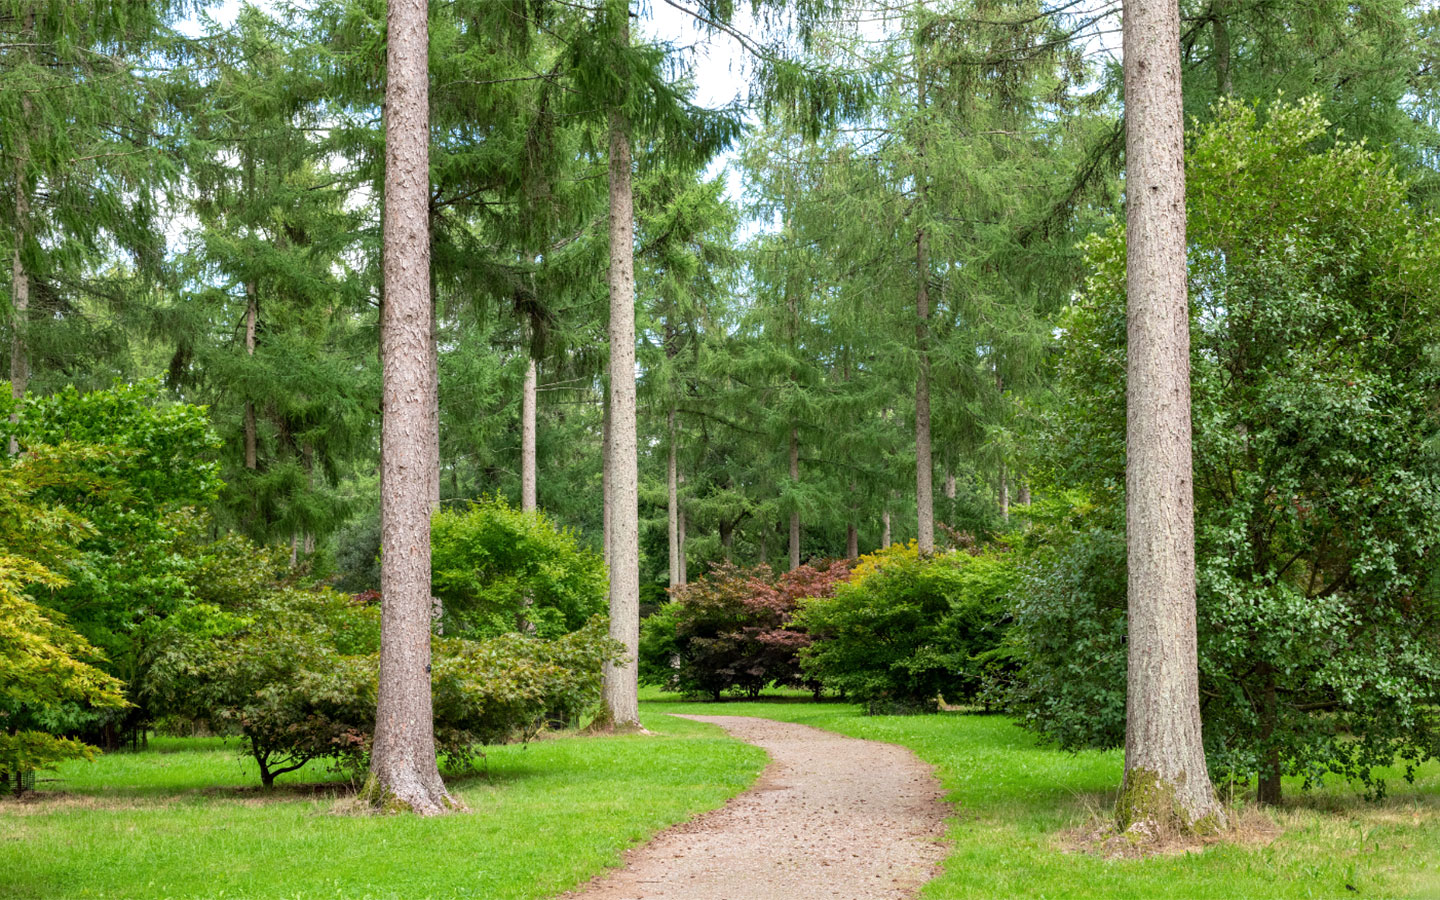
832 818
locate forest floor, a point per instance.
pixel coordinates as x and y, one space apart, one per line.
831 817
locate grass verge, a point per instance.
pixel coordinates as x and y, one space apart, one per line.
186 819
1015 801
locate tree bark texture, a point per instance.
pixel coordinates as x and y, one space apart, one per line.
852 541
795 514
403 764
924 464
527 436
680 517
1166 781
621 692
673 505
20 298
605 476
252 319
1004 492
884 529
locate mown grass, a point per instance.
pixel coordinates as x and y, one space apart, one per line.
185 819
1014 799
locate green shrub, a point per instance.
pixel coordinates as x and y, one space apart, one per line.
907 630
294 672
498 570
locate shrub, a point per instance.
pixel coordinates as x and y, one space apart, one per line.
295 674
498 569
732 630
908 629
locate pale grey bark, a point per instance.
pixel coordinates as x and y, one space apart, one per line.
673 506
1166 782
403 765
621 691
795 514
252 316
605 475
924 463
949 484
1004 492
1024 496
527 436
680 515
885 529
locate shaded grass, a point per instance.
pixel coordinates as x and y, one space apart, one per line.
1014 798
183 819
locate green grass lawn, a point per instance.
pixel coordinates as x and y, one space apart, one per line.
1013 798
185 819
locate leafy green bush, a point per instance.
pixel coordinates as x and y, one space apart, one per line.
732 630
498 569
908 629
295 673
1315 293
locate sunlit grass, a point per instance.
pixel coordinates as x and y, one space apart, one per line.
185 819
1014 799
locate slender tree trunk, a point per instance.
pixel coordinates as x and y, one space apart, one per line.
764 547
432 360
885 529
680 516
1024 498
795 514
621 689
949 484
1220 31
852 541
20 296
1166 782
673 505
403 767
252 318
1004 493
527 436
924 463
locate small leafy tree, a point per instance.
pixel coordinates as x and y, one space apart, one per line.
733 630
48 672
498 569
909 628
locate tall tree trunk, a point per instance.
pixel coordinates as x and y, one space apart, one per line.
20 296
680 515
621 691
527 436
949 483
252 319
673 505
885 529
924 464
1220 32
1024 498
1004 493
794 514
605 475
1166 782
403 768
852 541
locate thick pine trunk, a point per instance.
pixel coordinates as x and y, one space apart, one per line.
621 689
403 766
527 436
1166 781
795 514
673 505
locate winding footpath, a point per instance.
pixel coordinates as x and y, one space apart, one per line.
831 818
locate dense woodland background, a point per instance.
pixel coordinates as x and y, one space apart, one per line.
907 326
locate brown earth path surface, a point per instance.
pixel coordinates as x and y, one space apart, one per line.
831 818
